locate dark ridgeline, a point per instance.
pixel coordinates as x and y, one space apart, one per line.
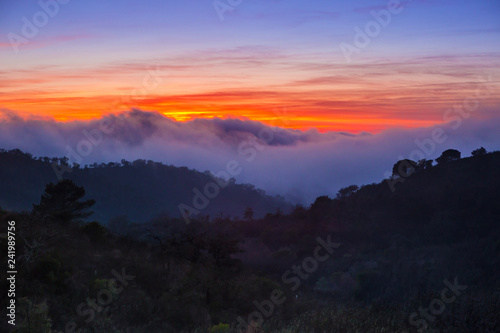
401 243
139 190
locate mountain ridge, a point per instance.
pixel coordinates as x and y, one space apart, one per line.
140 190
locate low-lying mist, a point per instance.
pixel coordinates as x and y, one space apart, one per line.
300 165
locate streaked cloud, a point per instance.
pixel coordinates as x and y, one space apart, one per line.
299 164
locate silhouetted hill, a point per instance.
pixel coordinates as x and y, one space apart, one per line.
139 190
456 199
419 252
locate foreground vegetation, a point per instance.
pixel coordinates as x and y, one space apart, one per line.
395 266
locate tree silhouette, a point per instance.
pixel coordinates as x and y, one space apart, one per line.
321 209
424 164
404 168
347 191
448 155
479 151
222 247
248 214
61 202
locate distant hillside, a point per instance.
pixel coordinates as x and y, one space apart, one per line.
389 255
448 202
140 190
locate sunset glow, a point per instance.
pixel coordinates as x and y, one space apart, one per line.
68 72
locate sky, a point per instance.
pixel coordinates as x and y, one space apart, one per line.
345 80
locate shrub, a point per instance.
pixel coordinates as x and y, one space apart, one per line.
95 231
33 318
220 328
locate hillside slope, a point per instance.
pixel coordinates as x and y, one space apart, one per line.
392 256
139 190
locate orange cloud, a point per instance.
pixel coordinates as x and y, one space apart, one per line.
363 97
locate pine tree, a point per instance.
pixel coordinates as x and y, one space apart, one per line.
61 202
